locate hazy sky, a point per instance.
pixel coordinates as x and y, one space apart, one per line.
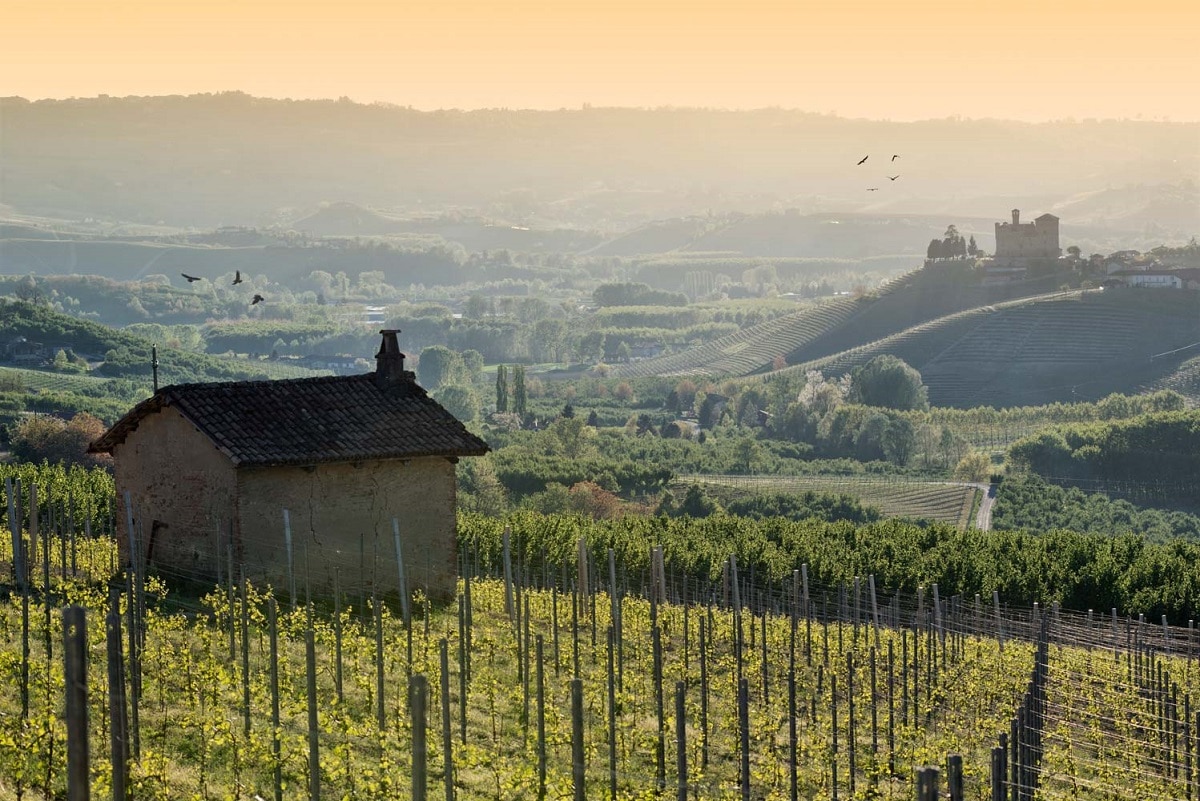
1023 59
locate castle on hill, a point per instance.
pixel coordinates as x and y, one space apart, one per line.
1022 241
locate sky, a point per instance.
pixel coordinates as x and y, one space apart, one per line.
884 59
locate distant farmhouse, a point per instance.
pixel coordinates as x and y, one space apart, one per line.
210 469
1023 241
22 351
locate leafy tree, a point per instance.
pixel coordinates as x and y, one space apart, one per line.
439 365
43 437
696 504
571 437
460 401
889 382
472 364
899 441
972 248
975 466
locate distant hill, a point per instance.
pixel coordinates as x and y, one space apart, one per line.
839 324
1017 344
1067 346
125 355
230 159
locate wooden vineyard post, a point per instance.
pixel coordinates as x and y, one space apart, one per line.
402 575
577 763
851 740
999 619
380 707
807 615
703 656
793 767
291 557
874 607
117 721
582 583
927 783
273 669
999 770
681 742
891 708
314 734
418 697
743 700
874 705
245 631
954 776
660 767
541 720
833 757
447 731
506 542
75 679
612 718
462 668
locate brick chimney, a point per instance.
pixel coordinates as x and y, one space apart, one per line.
389 361
1016 216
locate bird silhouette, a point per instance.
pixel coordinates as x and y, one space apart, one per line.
895 156
237 277
257 299
864 158
190 278
873 189
893 177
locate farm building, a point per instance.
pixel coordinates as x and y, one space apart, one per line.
210 469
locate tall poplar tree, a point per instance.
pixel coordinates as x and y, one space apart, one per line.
502 388
519 397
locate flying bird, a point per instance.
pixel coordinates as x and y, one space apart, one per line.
893 177
895 156
864 158
257 299
190 278
237 277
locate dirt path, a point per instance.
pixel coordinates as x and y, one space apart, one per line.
983 518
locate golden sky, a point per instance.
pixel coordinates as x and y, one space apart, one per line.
1021 59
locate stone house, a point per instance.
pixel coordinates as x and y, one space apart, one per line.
210 468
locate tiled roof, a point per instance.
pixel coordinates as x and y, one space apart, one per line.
309 420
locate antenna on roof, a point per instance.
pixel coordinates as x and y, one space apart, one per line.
154 364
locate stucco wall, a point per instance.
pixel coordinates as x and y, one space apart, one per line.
341 518
177 477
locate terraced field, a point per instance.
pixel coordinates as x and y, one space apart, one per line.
1064 346
749 350
945 502
1185 379
52 382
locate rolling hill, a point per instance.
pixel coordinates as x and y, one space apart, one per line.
1010 345
1068 346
